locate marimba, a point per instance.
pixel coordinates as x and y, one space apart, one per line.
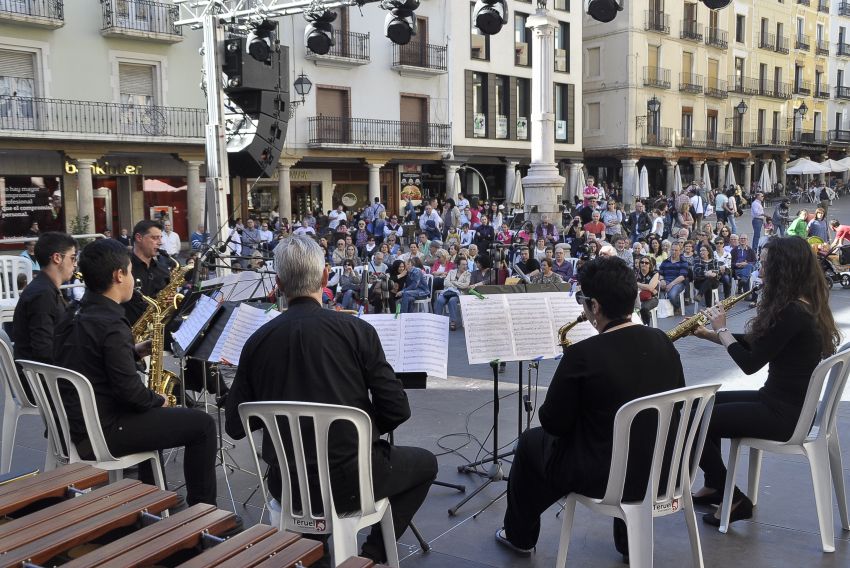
86 509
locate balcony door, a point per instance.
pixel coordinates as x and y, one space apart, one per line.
17 88
415 53
138 112
414 120
137 14
334 113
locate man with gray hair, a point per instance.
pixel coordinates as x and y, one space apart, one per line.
309 354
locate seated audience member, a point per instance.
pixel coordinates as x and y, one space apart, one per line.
539 252
647 282
530 267
412 252
308 354
674 275
562 266
416 285
457 282
595 226
571 450
348 289
440 269
524 236
706 276
483 274
743 262
623 252
467 235
724 264
338 254
547 231
546 275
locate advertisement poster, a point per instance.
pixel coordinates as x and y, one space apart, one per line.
25 200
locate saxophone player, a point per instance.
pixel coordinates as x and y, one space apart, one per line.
149 268
95 340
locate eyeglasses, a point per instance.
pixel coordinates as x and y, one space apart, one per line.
581 298
644 262
75 256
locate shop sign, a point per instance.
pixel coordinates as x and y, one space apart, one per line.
522 127
411 186
479 124
307 175
106 169
561 129
501 126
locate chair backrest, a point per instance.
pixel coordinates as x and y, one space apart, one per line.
44 382
692 407
574 262
11 380
321 416
817 418
429 278
10 267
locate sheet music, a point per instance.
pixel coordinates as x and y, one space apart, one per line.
565 309
204 309
241 326
532 336
414 343
487 325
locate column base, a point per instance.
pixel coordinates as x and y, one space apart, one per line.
542 188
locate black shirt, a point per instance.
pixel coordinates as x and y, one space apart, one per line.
589 387
152 278
95 341
309 354
528 266
40 307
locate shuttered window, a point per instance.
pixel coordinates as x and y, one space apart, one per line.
136 83
17 79
19 64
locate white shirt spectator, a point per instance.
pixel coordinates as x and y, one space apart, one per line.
305 230
336 217
463 203
171 242
696 203
266 236
432 216
235 244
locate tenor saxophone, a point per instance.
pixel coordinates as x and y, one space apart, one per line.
565 329
160 381
167 301
688 326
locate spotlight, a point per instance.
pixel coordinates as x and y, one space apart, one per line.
400 23
716 4
603 10
490 16
260 41
319 33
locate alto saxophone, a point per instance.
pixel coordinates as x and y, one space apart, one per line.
565 329
688 326
160 381
167 301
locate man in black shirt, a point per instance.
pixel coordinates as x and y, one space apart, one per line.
41 304
95 340
149 268
529 266
309 354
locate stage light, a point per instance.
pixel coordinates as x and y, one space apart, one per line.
603 10
261 39
490 16
400 23
716 4
319 33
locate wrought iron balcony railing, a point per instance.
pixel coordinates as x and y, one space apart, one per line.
808 138
690 83
662 137
767 41
656 77
48 9
139 17
774 89
823 6
803 88
842 92
704 140
716 37
424 56
740 139
769 137
802 42
821 91
821 47
743 85
691 30
804 2
31 114
839 137
782 45
842 49
372 133
844 9
348 45
656 21
716 88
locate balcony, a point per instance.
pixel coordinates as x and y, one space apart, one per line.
782 45
767 41
842 93
743 85
839 137
821 91
143 19
40 13
690 83
350 49
775 90
337 132
823 6
662 138
715 37
716 88
804 2
844 10
803 88
842 49
770 137
420 60
656 77
711 141
822 47
740 139
690 29
655 21
802 42
808 139
29 117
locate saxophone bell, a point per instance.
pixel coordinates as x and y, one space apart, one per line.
563 342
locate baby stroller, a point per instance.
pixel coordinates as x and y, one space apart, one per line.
835 273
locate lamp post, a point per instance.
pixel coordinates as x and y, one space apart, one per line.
800 110
543 184
303 86
738 132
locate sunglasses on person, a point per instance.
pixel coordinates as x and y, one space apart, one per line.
644 262
581 298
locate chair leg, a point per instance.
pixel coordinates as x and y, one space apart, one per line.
158 477
10 428
566 532
837 470
388 532
818 455
640 529
693 531
729 490
754 475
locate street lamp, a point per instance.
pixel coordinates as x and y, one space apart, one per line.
741 108
303 86
653 105
801 110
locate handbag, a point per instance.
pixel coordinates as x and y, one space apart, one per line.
665 308
645 295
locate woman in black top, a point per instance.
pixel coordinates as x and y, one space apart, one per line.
647 281
792 331
706 275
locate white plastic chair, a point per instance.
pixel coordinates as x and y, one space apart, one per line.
16 404
692 406
44 382
344 529
816 438
424 304
10 268
715 299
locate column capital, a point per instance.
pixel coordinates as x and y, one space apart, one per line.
375 165
288 161
670 164
83 157
629 162
188 157
749 162
194 165
372 162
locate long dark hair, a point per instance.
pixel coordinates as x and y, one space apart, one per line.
790 273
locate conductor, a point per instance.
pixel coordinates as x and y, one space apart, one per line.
309 354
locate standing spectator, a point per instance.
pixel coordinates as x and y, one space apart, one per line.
409 211
697 204
170 239
590 193
684 219
731 210
462 202
198 239
29 254
485 235
818 227
336 217
757 213
451 216
842 233
266 236
674 274
124 238
720 205
612 218
250 238
781 217
799 226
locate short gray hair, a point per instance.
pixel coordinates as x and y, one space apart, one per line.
300 265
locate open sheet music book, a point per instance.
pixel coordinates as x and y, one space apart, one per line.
241 325
205 308
414 343
519 327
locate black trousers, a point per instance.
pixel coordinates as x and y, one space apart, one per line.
704 286
162 428
739 414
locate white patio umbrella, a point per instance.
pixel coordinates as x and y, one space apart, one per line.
456 185
730 176
764 179
845 161
806 167
643 184
581 182
772 172
518 195
706 178
677 180
835 165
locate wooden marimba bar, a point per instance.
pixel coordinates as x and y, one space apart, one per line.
87 509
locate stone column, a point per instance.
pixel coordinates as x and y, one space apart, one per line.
783 164
822 176
748 173
195 194
85 192
697 168
543 184
284 190
630 173
670 166
451 174
721 174
374 181
510 181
